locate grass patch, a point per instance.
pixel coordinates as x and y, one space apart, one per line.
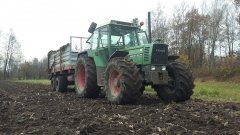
220 91
149 89
213 91
43 82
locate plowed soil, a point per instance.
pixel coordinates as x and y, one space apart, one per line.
35 109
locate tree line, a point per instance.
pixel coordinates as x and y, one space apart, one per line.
35 69
12 63
207 37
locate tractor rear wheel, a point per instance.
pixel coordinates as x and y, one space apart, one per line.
122 81
180 85
61 83
86 78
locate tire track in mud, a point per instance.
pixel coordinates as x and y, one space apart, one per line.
35 109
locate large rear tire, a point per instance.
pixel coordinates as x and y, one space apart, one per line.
122 81
61 83
180 85
86 78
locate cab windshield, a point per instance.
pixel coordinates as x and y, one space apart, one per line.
120 36
142 38
127 36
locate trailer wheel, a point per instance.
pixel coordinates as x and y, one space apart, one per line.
180 85
86 78
122 82
61 83
53 80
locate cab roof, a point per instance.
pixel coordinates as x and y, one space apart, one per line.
121 23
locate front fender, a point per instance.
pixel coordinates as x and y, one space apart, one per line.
118 54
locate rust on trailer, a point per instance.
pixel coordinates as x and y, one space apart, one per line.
63 60
67 68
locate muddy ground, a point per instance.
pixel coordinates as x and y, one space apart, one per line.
35 109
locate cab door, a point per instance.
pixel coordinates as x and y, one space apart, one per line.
100 53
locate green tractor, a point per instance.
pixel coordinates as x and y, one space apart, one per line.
121 62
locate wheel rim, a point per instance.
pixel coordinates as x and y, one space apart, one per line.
81 77
114 83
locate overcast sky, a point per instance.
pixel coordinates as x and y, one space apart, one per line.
44 25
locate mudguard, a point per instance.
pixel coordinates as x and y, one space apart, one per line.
118 54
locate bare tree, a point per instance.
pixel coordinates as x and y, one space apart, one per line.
230 29
237 2
11 52
160 26
203 33
216 15
190 35
178 25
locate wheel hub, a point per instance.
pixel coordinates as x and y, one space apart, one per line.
81 77
114 83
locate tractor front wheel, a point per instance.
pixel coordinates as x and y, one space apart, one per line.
122 81
180 84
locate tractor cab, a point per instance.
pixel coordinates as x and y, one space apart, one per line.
116 35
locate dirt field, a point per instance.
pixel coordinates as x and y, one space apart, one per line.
34 109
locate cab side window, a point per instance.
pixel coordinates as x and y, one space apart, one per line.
130 39
103 37
94 40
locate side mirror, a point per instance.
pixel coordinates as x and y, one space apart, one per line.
92 27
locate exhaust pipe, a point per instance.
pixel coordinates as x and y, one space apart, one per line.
149 28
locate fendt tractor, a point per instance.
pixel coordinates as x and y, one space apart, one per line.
119 62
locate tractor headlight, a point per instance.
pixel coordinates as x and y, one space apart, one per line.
153 67
163 68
